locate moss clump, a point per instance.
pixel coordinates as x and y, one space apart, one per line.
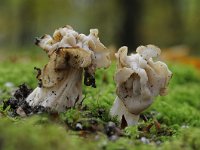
90 125
29 134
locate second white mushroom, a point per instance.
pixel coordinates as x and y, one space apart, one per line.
139 80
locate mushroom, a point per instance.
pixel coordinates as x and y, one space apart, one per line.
70 54
139 80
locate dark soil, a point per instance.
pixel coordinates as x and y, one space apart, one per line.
19 106
89 78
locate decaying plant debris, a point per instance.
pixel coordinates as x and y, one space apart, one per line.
18 104
139 80
70 54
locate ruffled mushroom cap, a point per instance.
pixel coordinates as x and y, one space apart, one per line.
139 79
101 57
69 54
66 37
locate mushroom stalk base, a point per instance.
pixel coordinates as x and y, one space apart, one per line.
65 94
118 109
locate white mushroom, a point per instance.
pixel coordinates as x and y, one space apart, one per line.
70 53
139 80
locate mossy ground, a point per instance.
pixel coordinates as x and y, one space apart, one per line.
173 121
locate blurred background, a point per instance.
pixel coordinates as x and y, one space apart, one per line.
169 24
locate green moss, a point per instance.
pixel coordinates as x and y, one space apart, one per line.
18 73
178 114
189 139
183 74
28 134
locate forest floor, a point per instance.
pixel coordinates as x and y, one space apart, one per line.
172 122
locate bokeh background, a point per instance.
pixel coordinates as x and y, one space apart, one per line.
172 122
166 23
